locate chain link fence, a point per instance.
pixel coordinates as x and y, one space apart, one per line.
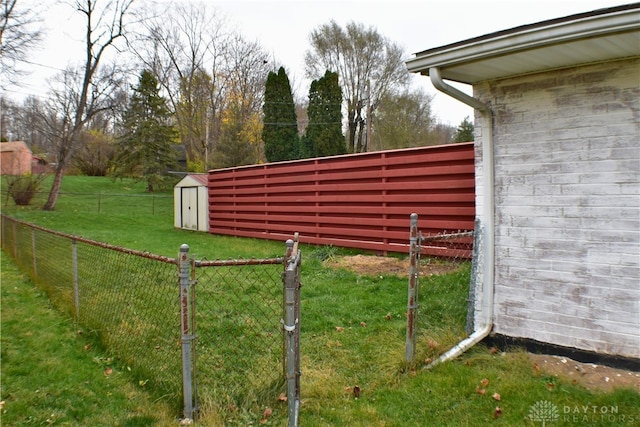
239 344
134 302
106 203
440 304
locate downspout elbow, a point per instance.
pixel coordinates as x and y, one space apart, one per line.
438 83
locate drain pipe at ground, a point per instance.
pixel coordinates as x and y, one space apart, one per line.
487 223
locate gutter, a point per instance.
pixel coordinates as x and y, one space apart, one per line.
488 276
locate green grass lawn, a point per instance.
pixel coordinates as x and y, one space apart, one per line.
55 374
353 334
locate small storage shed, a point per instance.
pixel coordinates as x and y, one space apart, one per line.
191 205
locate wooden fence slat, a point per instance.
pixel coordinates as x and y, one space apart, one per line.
361 201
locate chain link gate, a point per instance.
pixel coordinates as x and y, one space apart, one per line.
240 331
441 270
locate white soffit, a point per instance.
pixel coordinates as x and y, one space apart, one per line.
597 36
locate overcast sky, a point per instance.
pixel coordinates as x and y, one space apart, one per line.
282 28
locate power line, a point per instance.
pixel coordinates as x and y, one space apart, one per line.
43 65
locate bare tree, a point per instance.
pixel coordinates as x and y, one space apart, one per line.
105 24
210 75
245 71
368 65
20 33
185 46
404 119
22 122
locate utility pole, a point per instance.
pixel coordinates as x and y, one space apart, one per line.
369 118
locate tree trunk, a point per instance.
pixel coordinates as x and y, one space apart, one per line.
55 188
351 130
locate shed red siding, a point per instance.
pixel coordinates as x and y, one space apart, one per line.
360 201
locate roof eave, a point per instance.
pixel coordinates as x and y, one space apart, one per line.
524 39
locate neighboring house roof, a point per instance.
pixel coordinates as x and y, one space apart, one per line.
596 36
15 158
14 146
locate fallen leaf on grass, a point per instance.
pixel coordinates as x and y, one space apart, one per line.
265 416
363 324
433 344
496 396
484 382
282 397
497 412
108 372
339 328
87 347
481 391
388 316
356 391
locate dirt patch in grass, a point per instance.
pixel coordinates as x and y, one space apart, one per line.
591 376
369 265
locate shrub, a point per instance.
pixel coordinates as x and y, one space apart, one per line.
23 188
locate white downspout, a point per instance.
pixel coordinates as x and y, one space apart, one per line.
487 217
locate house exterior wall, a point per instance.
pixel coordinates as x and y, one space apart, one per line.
15 158
567 206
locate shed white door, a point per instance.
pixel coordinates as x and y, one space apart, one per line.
189 198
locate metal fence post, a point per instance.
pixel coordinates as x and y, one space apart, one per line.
186 337
76 290
291 326
412 300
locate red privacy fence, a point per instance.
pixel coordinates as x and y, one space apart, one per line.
361 201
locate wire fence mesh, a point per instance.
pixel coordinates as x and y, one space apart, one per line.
441 291
239 343
106 203
131 300
128 298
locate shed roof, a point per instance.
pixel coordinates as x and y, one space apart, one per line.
596 36
193 180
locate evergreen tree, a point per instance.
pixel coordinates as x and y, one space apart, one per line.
464 133
145 150
323 136
280 131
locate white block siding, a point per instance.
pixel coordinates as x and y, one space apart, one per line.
567 206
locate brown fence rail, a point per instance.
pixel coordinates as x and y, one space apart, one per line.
360 201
